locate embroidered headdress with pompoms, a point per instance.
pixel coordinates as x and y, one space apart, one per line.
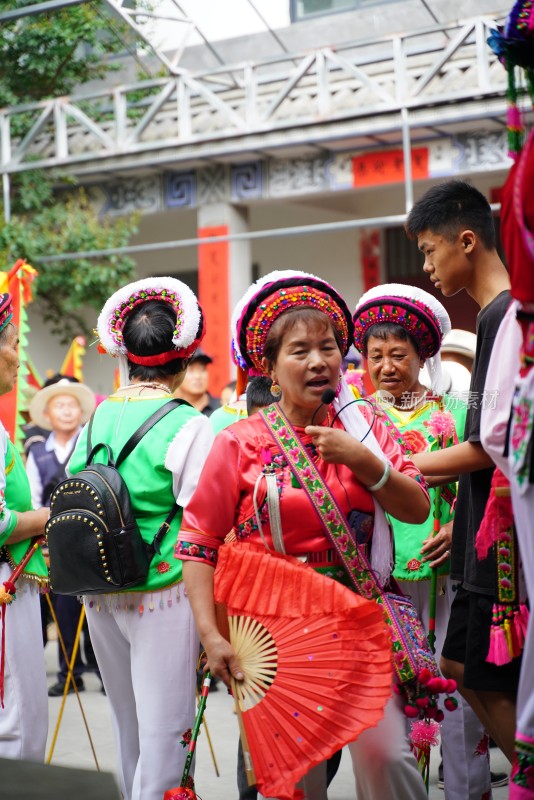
514 44
417 311
6 310
188 333
275 293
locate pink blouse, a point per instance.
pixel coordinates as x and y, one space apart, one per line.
223 499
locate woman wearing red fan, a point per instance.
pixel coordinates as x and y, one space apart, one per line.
296 328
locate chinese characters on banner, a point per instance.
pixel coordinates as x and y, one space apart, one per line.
387 166
213 294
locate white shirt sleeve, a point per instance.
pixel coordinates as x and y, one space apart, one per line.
5 513
186 455
499 388
34 478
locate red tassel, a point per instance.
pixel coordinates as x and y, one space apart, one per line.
516 647
498 650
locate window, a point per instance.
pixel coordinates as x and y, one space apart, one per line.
304 9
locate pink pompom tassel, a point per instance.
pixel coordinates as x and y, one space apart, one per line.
498 650
514 645
424 734
513 118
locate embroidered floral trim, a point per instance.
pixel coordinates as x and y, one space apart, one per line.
523 768
413 565
506 567
196 551
415 442
521 431
482 748
186 737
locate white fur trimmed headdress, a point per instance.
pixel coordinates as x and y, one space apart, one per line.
188 332
187 335
417 311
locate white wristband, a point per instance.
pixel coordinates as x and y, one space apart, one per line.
383 480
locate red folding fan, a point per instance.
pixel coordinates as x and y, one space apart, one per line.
316 659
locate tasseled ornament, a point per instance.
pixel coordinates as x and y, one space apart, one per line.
7 593
498 652
424 734
513 116
498 516
514 646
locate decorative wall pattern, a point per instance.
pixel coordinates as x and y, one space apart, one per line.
181 190
243 183
246 181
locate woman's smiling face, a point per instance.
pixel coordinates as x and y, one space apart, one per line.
393 365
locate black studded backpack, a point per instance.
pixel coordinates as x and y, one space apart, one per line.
93 538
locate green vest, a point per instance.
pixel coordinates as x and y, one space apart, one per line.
409 538
18 498
225 416
149 481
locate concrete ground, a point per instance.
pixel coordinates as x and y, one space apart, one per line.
72 746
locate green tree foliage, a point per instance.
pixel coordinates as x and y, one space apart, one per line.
49 54
66 289
41 56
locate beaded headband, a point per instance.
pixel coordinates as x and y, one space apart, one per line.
420 314
6 310
275 293
187 335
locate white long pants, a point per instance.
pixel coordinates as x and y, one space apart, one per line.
147 662
466 772
382 760
24 718
383 763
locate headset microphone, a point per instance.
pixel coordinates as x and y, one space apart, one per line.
326 398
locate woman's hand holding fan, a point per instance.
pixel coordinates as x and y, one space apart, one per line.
222 660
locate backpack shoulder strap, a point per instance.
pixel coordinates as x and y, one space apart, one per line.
89 442
136 437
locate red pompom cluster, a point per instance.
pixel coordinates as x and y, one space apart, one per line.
180 793
421 698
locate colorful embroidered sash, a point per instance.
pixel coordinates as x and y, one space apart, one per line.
411 652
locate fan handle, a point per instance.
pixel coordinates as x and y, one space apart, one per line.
247 758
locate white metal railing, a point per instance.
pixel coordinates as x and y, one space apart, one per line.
371 78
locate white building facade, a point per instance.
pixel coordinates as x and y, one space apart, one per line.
300 144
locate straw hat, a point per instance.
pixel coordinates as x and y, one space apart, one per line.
83 394
459 341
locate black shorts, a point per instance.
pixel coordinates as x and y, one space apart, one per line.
468 639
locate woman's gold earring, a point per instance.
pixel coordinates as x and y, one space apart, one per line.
276 391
